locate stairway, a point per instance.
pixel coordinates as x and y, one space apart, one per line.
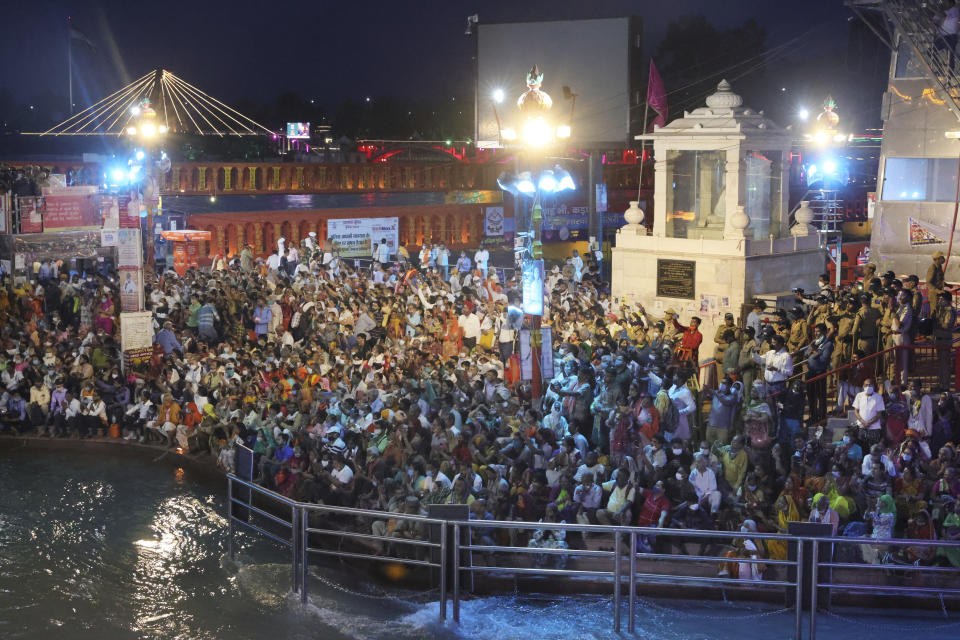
918 27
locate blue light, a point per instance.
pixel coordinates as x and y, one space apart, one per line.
533 287
830 167
565 180
525 183
118 176
548 183
139 155
812 170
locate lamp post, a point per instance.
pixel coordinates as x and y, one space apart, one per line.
148 134
534 134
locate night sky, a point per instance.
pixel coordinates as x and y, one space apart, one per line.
249 53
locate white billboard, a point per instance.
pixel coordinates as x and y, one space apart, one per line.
591 57
355 236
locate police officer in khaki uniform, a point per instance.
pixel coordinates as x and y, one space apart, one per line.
721 344
869 273
944 320
842 322
865 325
820 313
746 363
669 328
936 280
799 332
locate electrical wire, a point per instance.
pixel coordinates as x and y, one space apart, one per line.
94 114
140 94
163 83
184 104
77 115
181 80
201 100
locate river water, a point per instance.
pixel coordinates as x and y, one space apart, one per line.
107 545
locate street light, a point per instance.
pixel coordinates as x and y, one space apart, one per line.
148 133
498 96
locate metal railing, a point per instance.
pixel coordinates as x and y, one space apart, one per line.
455 553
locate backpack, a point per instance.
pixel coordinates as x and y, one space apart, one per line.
669 416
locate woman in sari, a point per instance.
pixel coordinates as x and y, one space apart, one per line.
920 527
744 548
785 510
909 493
105 311
452 337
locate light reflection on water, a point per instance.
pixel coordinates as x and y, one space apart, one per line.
98 547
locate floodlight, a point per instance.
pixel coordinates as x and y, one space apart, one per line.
536 132
547 182
525 183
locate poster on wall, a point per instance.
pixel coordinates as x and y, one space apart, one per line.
355 236
108 238
136 336
71 208
498 229
128 248
109 212
131 289
563 222
924 233
31 215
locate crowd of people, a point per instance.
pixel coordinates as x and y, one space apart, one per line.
397 384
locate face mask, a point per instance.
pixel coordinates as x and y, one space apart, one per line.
744 529
846 439
705 451
836 474
695 507
677 452
907 457
680 477
752 487
869 391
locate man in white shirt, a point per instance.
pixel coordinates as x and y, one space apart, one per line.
470 324
868 407
577 262
481 257
777 365
383 252
704 482
273 262
876 456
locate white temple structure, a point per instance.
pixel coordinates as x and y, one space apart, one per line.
721 234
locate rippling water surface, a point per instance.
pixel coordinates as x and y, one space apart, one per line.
106 546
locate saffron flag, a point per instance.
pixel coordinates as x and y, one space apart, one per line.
922 233
656 97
